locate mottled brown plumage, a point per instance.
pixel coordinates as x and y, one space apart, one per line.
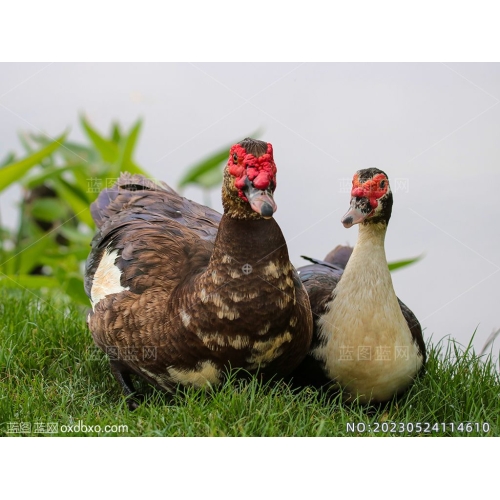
193 293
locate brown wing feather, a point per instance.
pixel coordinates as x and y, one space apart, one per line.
142 220
319 281
415 329
135 194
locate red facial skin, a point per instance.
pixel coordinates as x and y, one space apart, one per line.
261 171
370 189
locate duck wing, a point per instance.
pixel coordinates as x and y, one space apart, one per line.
415 329
154 236
139 195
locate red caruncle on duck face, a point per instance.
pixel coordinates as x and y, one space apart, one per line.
261 171
373 189
369 193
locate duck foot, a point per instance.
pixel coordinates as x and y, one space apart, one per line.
122 376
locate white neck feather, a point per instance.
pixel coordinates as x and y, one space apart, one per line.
366 289
368 264
365 316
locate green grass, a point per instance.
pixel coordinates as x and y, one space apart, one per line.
51 373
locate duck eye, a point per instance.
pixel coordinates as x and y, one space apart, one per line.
235 158
382 184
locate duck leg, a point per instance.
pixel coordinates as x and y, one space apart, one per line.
122 376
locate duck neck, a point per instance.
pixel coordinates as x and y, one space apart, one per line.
367 266
370 247
364 306
248 241
249 278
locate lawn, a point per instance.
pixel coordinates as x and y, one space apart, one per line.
54 382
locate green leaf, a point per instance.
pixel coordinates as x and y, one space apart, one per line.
76 200
71 152
16 171
116 135
74 288
77 236
127 164
87 184
49 209
8 159
211 178
195 173
28 256
107 149
50 172
403 263
24 140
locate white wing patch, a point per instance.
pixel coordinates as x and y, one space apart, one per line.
106 278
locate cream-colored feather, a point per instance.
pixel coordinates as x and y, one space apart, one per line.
368 346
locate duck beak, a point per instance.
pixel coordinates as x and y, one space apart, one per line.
261 201
360 209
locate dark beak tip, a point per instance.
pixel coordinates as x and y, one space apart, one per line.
266 210
347 222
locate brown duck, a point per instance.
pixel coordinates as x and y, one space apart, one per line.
365 341
180 293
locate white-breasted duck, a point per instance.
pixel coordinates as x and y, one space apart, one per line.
180 293
365 341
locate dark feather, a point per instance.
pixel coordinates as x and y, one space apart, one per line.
181 267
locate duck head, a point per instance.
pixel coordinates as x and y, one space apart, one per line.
250 180
371 198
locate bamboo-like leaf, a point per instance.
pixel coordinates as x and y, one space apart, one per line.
24 140
29 256
194 173
87 184
116 135
211 178
213 162
127 164
403 263
10 158
49 209
107 149
77 236
74 288
70 260
133 168
71 152
16 171
50 172
76 199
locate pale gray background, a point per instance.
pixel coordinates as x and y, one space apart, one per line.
434 127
